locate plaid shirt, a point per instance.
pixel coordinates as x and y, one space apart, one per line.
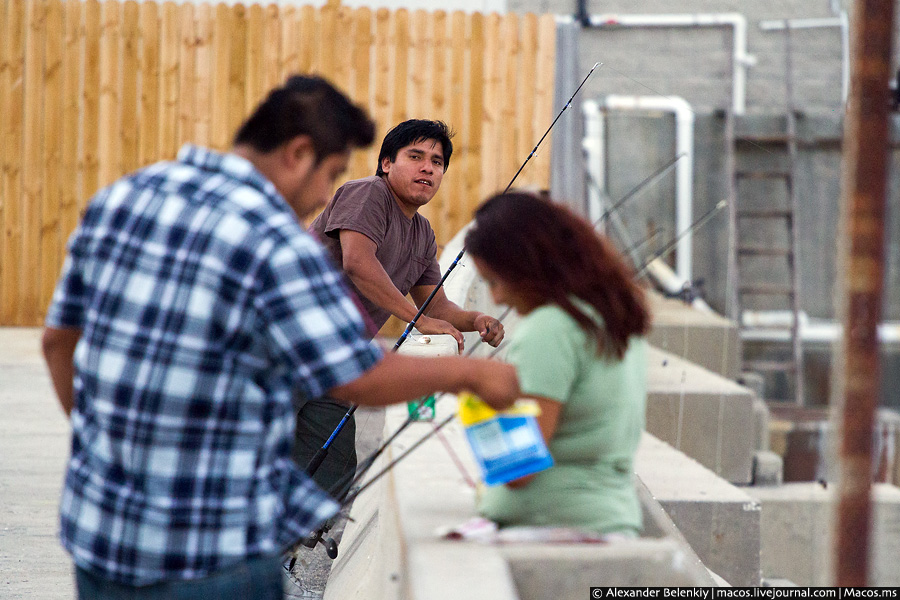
202 304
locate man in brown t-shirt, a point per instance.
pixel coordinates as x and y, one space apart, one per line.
375 233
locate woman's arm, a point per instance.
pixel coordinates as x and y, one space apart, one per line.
548 420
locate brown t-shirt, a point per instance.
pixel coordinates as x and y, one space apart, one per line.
405 247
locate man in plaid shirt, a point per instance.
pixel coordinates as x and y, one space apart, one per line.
192 303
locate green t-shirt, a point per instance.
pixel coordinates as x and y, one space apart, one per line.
591 486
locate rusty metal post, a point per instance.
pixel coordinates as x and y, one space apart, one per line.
861 240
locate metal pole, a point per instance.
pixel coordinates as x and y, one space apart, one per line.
861 240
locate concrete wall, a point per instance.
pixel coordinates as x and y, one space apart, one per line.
695 63
721 522
704 415
706 339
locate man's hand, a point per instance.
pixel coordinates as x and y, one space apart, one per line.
58 346
496 383
491 329
431 326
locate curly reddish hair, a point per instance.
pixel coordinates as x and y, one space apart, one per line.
549 254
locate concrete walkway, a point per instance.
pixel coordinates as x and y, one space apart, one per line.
34 445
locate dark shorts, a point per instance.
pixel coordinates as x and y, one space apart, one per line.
257 578
316 420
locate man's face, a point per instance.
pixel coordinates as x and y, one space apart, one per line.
315 184
416 174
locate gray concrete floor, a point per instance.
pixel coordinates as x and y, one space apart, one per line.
34 445
311 571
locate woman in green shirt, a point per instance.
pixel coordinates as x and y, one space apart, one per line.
579 353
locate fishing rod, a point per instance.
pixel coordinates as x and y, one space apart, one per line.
690 229
636 189
351 497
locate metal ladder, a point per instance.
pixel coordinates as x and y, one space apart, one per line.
741 252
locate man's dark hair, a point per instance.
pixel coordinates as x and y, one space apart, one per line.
412 132
307 106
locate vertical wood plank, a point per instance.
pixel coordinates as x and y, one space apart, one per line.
90 165
6 147
289 42
363 161
490 115
438 83
437 35
327 34
272 68
32 169
401 41
306 41
187 65
148 140
508 124
51 250
202 87
543 105
476 106
343 51
528 135
168 68
382 101
419 84
12 127
108 152
221 68
237 71
452 208
71 125
131 12
256 55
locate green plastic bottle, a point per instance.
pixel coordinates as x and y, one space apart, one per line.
421 409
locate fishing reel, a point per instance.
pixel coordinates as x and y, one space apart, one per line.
318 537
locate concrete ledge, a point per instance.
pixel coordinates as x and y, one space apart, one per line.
704 415
797 524
396 553
706 339
719 521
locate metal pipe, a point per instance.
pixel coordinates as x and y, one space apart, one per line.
860 245
684 170
594 146
823 332
740 58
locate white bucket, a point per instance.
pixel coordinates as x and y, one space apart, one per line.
430 346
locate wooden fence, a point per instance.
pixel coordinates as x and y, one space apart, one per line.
90 91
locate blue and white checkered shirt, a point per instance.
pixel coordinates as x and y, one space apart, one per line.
202 304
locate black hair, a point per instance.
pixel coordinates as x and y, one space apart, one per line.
307 106
412 132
